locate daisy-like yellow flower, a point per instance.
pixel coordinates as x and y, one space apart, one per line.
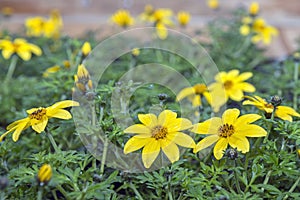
122 18
51 70
229 85
194 94
230 129
183 18
82 79
282 112
156 133
262 31
161 19
38 118
148 11
20 47
213 4
45 174
135 52
254 8
86 48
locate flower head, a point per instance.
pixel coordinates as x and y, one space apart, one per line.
122 18
20 47
194 94
148 11
213 4
229 85
282 112
155 133
45 174
230 129
254 8
86 48
161 19
82 79
51 70
262 31
38 118
135 52
183 18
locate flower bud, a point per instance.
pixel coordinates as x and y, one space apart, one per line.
44 174
276 100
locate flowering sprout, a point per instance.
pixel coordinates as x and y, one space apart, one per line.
82 79
51 70
229 85
213 4
38 118
183 18
194 94
155 133
45 174
253 9
282 112
122 18
86 49
20 47
230 129
146 15
161 19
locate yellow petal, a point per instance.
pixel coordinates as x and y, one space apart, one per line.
172 152
5 134
206 142
250 130
197 101
25 55
7 53
60 114
185 92
285 113
35 49
166 117
138 128
86 48
63 104
247 87
236 94
19 129
161 31
148 119
219 148
230 116
150 152
246 119
210 126
232 74
16 123
239 142
178 125
184 140
134 144
40 127
244 76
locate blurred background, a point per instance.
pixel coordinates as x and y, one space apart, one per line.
80 16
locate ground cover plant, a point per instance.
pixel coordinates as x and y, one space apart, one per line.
228 130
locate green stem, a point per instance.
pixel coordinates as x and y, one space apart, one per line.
56 148
103 159
11 68
270 125
237 180
40 194
293 188
267 179
246 162
136 192
63 191
296 75
169 189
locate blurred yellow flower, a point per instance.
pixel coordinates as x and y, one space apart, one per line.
245 30
86 48
194 94
6 11
229 85
82 79
230 129
38 118
155 133
51 70
254 8
213 4
45 174
161 19
122 18
135 51
148 11
20 47
183 18
282 112
262 31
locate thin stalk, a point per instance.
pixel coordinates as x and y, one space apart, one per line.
267 179
293 188
296 75
136 192
53 143
238 187
169 189
11 68
270 125
103 159
246 162
40 194
63 191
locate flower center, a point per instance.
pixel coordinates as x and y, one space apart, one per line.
38 114
226 130
228 85
200 88
159 132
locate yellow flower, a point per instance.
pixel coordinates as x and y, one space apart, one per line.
298 153
51 70
282 112
245 29
183 18
66 64
146 15
82 79
38 118
230 129
213 4
194 94
262 31
7 11
44 174
135 51
155 133
19 46
86 48
161 19
122 18
229 85
254 8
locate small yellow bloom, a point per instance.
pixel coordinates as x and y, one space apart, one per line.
229 85
135 51
67 64
82 79
247 20
254 8
51 70
146 15
156 133
19 46
245 30
38 118
7 11
282 112
262 31
230 129
86 48
194 94
213 4
183 18
122 18
298 153
44 174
